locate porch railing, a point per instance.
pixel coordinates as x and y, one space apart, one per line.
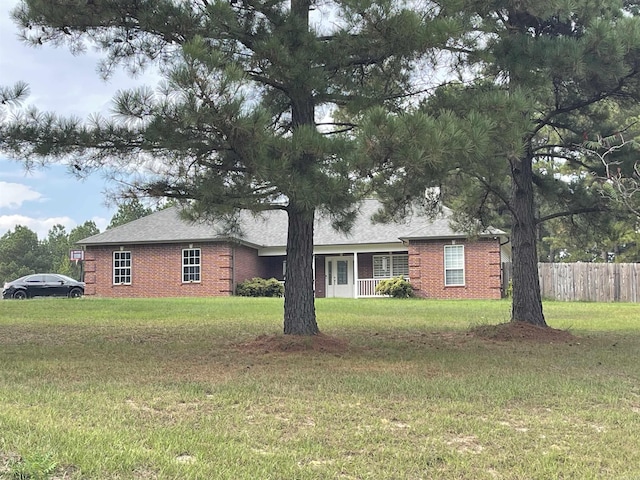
367 287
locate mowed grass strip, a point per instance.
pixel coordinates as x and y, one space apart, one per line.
193 388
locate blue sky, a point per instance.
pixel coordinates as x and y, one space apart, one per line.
65 84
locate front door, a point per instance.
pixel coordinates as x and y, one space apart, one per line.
339 273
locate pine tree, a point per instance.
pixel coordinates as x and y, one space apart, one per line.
569 60
21 254
128 211
238 122
87 229
57 247
543 79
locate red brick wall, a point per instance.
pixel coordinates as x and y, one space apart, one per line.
320 280
482 269
247 264
156 271
365 265
272 267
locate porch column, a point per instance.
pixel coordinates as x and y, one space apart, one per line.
355 274
313 268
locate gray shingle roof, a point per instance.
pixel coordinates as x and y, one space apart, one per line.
270 230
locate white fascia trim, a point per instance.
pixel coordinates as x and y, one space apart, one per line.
340 249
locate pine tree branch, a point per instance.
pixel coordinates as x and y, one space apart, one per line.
563 126
257 77
550 146
546 120
495 190
577 211
568 158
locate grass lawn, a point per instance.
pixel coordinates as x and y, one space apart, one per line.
193 389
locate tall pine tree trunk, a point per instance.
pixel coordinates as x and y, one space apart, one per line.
299 308
527 300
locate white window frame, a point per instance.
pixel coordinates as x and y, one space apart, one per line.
390 262
394 272
117 266
460 266
186 266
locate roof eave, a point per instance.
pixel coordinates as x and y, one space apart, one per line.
454 237
173 242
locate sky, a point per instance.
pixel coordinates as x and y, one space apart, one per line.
68 85
65 84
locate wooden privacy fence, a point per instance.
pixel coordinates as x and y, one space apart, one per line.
595 282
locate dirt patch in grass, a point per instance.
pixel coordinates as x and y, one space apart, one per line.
295 343
505 332
6 460
518 331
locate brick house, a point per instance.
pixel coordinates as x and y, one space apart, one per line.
162 255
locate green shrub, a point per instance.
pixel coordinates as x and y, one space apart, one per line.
260 287
396 287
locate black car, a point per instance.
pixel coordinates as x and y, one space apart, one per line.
43 285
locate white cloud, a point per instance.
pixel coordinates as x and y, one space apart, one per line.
67 85
59 81
101 223
13 195
39 225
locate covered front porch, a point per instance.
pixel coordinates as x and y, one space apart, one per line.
356 275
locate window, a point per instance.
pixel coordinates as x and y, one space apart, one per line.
453 265
387 266
400 265
191 265
121 268
342 267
